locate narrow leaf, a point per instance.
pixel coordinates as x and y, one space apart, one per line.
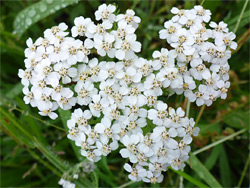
225 170
189 178
211 161
203 172
37 12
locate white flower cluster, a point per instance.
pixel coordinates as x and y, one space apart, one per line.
119 98
66 184
79 170
201 67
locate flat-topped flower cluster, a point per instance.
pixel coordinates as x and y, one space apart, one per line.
118 98
201 67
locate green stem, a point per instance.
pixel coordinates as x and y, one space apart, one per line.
199 115
219 141
126 184
244 172
241 14
38 119
188 108
202 2
44 162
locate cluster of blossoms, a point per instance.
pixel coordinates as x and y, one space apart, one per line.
119 98
201 67
81 169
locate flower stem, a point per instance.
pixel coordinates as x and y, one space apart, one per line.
200 114
244 172
219 141
241 14
188 108
202 2
126 184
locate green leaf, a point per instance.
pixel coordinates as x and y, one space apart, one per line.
225 170
244 20
189 178
238 119
203 172
33 125
52 157
65 116
16 90
94 179
16 133
211 161
12 124
37 12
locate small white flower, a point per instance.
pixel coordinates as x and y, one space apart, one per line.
126 48
48 110
104 45
105 12
137 173
129 18
81 27
65 71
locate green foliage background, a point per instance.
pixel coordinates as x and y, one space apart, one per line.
35 151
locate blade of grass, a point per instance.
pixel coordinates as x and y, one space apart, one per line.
225 170
200 114
211 161
244 172
219 141
241 14
203 172
189 178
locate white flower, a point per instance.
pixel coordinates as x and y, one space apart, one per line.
219 28
177 160
155 177
29 96
55 31
205 15
66 184
227 40
99 29
67 100
71 51
158 115
171 29
104 45
65 71
109 69
170 77
31 48
106 130
130 18
160 134
81 27
199 72
80 118
105 12
124 29
98 104
126 48
25 75
131 147
223 86
85 91
164 58
48 110
58 91
137 173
